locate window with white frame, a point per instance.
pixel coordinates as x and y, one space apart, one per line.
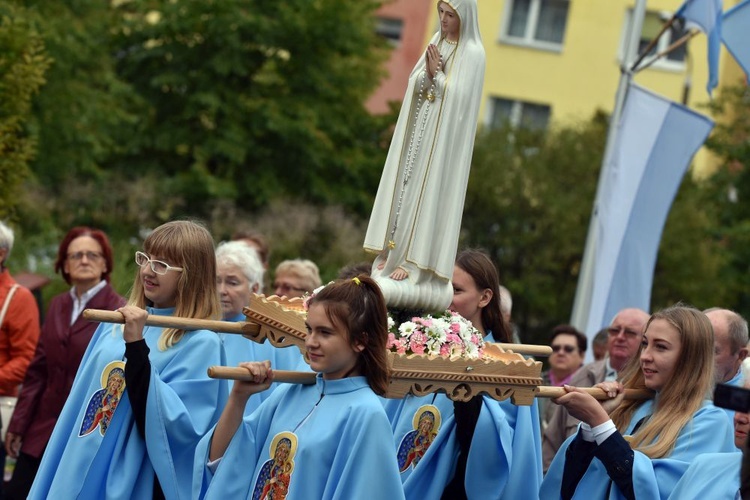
538 23
652 25
517 114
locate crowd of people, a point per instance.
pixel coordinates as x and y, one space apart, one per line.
128 411
139 417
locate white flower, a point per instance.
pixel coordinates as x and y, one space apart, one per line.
433 347
438 330
472 351
407 328
466 330
455 350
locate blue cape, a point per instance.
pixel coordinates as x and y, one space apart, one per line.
504 460
114 461
711 476
337 445
707 432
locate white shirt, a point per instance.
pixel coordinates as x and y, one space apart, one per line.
80 304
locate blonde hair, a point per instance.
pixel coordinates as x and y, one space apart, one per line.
189 245
304 269
683 394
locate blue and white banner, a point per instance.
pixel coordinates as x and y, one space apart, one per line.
736 34
655 142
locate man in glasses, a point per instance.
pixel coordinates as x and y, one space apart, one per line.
625 333
568 348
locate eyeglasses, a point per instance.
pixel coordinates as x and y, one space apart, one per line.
615 331
92 256
285 288
157 266
567 348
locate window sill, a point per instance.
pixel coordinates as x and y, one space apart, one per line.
665 66
531 44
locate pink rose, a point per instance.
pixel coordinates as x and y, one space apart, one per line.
416 347
391 341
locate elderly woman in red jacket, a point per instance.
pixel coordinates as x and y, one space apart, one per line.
84 259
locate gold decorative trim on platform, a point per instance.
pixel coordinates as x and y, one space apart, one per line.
281 321
511 376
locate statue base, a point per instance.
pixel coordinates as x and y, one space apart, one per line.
433 295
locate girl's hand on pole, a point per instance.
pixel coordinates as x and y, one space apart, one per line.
135 321
583 406
262 379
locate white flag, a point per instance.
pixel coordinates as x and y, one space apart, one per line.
655 142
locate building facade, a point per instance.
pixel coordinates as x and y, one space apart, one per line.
404 24
557 61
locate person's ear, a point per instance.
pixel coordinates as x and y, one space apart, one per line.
485 298
359 345
255 288
743 353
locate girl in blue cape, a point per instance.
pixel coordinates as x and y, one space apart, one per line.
328 440
141 400
643 450
479 449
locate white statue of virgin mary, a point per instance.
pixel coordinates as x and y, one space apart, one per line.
416 218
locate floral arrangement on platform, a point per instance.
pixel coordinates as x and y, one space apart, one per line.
449 335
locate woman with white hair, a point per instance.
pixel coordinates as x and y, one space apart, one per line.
239 274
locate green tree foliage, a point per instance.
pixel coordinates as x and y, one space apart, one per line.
23 62
85 114
155 110
728 190
254 101
691 258
529 203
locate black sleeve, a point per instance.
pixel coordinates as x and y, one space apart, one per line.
578 457
137 378
466 415
617 456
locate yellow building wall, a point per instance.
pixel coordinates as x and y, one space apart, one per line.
583 75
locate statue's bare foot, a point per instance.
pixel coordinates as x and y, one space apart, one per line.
382 257
399 274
